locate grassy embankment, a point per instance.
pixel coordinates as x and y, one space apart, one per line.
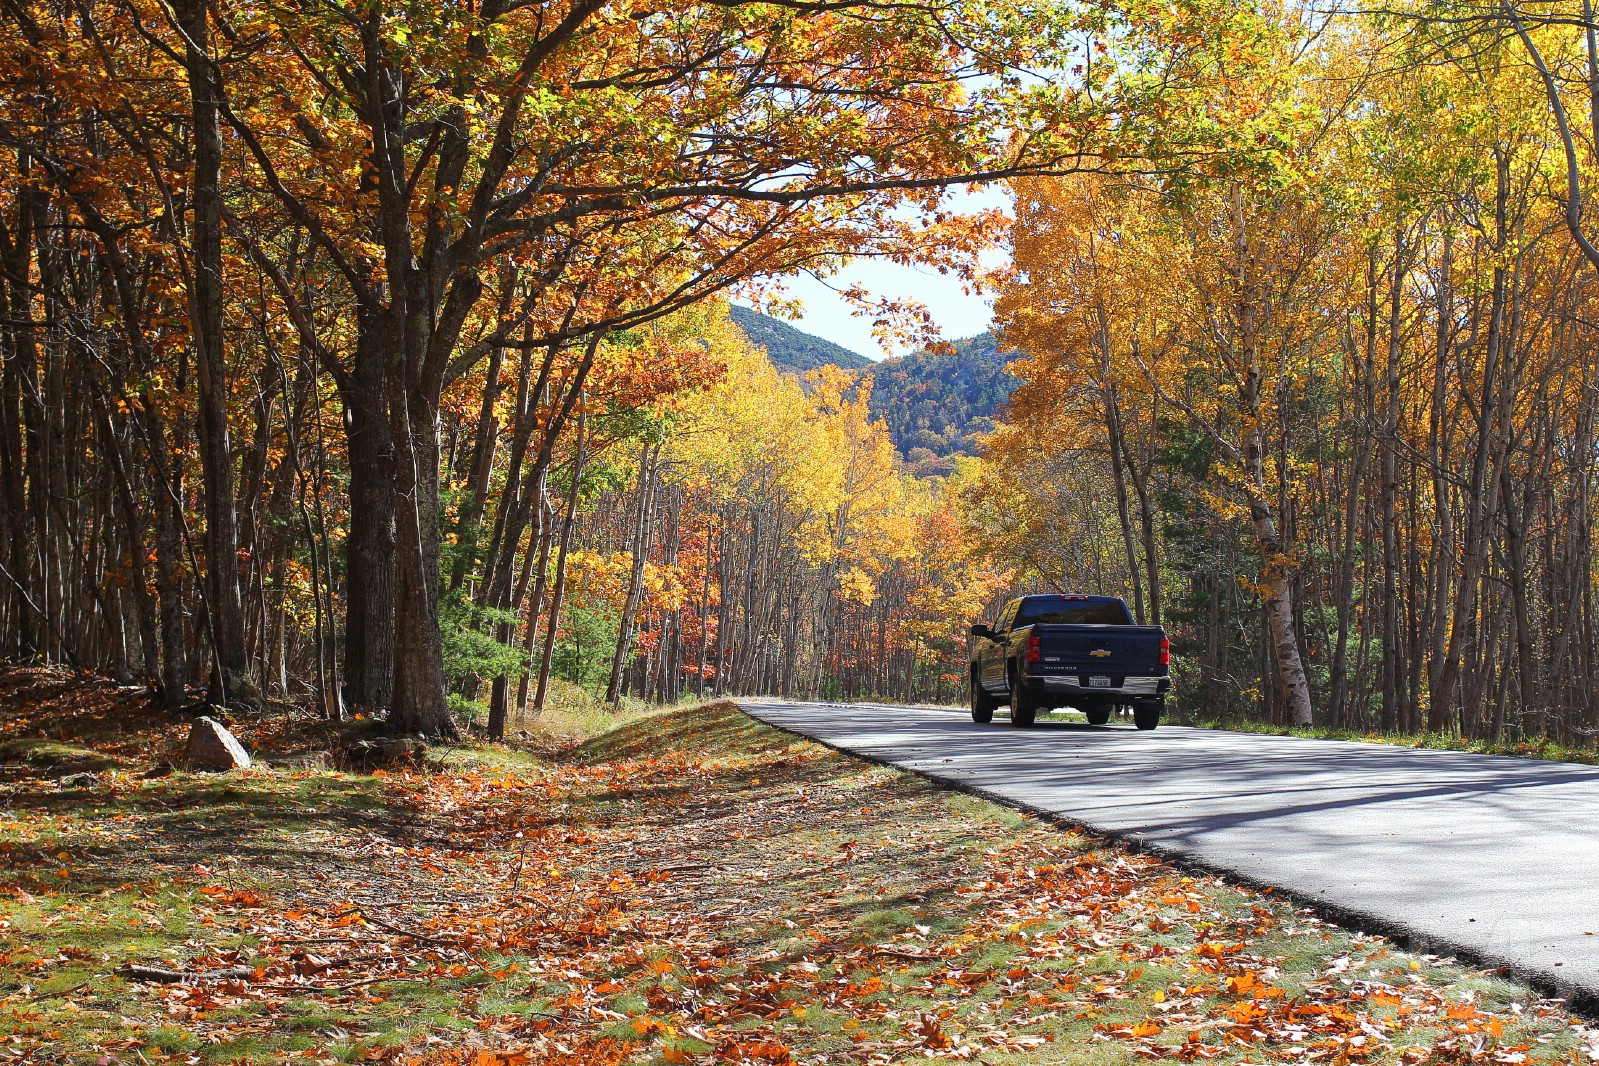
679 887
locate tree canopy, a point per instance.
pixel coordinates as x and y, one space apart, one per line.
377 357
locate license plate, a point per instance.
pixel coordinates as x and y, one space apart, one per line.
1099 682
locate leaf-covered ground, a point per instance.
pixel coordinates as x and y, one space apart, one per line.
690 887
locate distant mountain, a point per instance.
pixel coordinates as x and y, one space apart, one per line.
937 405
793 348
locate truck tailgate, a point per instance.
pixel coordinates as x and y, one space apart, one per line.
1118 651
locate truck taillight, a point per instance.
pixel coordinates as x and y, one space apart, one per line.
1033 650
1165 652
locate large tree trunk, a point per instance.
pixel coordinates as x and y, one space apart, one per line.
369 551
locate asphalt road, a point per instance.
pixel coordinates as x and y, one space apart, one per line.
1494 858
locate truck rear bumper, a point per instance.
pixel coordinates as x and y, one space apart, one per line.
1130 688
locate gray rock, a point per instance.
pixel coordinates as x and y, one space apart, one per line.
212 747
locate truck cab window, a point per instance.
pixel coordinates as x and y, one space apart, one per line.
1064 610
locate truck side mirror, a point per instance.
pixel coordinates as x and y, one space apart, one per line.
980 630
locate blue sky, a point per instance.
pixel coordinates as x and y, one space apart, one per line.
958 313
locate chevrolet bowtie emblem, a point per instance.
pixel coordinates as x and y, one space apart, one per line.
1100 653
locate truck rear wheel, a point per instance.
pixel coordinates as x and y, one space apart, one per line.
982 705
1097 715
1147 715
1023 707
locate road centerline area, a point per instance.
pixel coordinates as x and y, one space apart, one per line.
1493 856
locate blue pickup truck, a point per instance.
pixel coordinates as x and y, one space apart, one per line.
1075 651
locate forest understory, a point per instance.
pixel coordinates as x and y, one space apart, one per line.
686 886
